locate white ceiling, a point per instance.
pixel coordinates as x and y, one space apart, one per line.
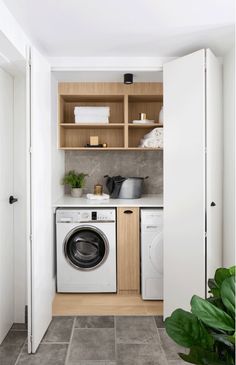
106 76
130 28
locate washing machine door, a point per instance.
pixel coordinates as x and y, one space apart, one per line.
86 248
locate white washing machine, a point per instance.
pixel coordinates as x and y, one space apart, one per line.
152 253
86 250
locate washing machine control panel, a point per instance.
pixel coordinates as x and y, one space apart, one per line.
85 215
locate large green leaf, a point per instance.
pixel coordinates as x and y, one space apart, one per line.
199 356
211 315
232 270
221 274
186 330
227 292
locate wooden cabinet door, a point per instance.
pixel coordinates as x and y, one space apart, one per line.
128 250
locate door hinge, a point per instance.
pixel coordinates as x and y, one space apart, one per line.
30 237
205 149
30 149
205 234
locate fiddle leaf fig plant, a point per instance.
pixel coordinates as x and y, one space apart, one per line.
75 180
208 331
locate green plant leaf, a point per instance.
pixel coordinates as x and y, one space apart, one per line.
211 315
216 301
232 270
227 292
225 339
186 330
199 356
75 180
221 274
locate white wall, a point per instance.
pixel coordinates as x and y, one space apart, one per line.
20 192
229 159
12 30
58 163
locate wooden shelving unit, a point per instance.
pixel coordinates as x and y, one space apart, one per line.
125 102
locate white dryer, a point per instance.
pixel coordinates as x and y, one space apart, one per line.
86 250
152 253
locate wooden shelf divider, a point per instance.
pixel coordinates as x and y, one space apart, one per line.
125 103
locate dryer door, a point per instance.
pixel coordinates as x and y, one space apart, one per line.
86 248
156 253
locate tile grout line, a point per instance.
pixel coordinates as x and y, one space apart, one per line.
21 350
70 341
159 338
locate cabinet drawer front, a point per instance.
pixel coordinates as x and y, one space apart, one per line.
128 249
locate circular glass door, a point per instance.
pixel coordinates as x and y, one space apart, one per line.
86 248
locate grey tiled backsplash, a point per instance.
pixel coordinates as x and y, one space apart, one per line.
126 163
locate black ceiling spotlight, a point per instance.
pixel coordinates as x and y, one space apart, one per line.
128 79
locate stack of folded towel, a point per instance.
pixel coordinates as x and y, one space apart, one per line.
91 114
153 139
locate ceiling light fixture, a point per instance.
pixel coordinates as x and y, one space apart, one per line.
128 79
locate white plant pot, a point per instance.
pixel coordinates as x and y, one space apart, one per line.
76 192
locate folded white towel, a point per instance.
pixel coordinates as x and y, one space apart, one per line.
98 197
91 119
151 142
155 133
103 111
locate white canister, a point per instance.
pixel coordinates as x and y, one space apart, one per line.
161 116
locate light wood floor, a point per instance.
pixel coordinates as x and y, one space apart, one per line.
104 304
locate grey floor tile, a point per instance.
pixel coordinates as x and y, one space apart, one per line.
177 362
159 322
170 348
11 347
59 330
136 330
142 354
15 338
8 355
19 327
94 322
92 344
47 354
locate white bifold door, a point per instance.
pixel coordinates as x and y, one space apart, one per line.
6 209
40 248
192 176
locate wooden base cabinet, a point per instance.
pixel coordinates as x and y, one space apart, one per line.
128 250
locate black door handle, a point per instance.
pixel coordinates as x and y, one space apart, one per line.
213 204
12 200
128 211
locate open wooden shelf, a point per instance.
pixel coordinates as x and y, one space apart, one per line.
125 103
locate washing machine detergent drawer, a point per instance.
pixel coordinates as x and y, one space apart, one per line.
152 254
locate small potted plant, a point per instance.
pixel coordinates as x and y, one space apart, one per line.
76 181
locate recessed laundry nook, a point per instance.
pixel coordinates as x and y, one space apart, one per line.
109 228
